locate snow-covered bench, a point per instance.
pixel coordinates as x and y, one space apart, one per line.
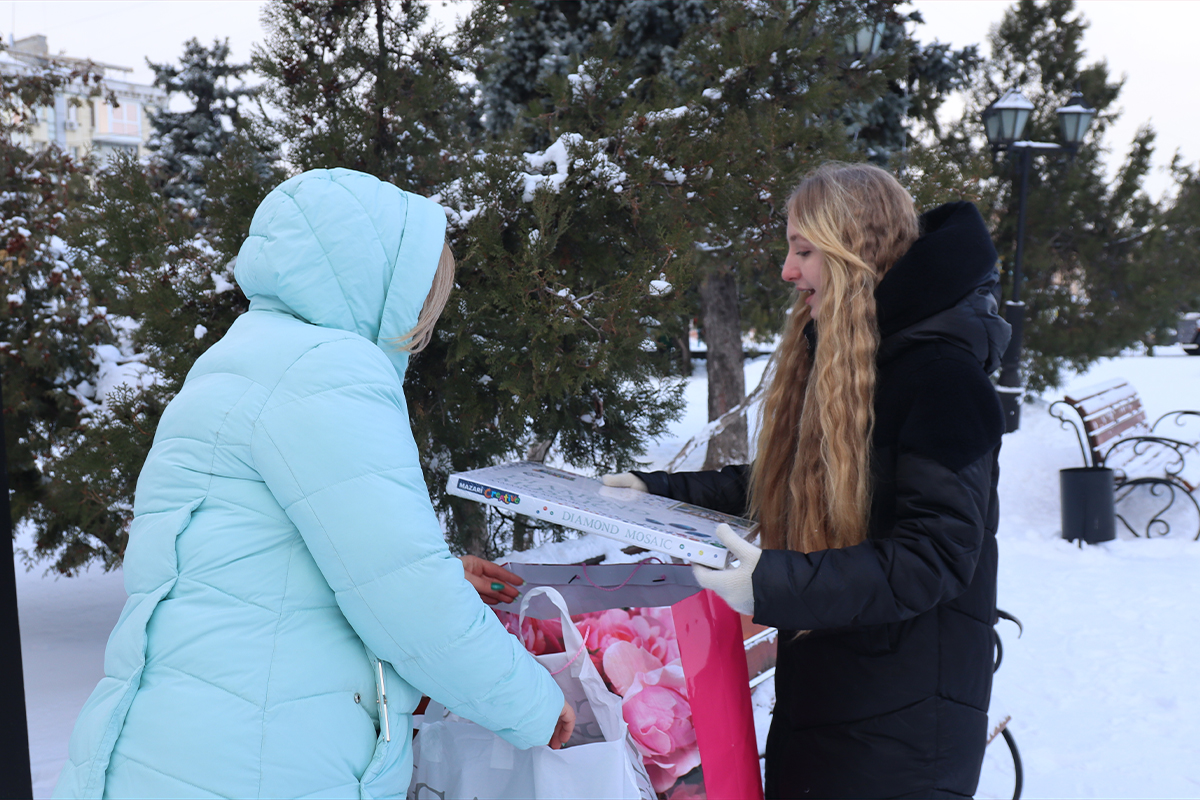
1113 432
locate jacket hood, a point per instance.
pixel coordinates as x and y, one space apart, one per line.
945 288
342 249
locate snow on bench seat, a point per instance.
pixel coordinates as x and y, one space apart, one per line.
1118 436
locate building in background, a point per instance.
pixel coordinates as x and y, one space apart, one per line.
80 124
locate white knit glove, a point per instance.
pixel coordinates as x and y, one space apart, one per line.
733 584
625 480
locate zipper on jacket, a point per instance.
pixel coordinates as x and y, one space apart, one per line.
382 702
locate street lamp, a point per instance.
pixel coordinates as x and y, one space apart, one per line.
863 44
1003 123
1004 120
1074 118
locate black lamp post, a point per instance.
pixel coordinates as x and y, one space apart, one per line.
15 778
1004 122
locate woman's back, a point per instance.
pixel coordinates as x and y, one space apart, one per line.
249 633
284 554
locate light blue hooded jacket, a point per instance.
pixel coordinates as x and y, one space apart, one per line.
283 540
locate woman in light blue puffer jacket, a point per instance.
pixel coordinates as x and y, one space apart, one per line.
285 567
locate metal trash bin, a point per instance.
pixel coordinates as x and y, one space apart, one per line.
1087 504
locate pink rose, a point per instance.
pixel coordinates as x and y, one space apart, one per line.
624 661
600 629
660 719
657 629
539 636
605 627
650 629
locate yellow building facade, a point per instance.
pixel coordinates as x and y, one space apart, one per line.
80 124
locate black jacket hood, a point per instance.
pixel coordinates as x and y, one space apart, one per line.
945 288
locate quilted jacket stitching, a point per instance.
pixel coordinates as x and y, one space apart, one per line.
225 689
146 766
324 251
228 501
307 495
262 742
378 233
245 600
319 393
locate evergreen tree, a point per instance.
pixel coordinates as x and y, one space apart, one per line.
738 101
50 319
545 340
1173 246
358 84
769 85
884 128
637 182
541 39
159 270
142 255
1092 282
186 141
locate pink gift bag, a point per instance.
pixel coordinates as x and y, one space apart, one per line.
674 654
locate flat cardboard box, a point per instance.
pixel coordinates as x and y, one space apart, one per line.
666 526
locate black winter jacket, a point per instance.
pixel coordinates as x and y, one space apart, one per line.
888 695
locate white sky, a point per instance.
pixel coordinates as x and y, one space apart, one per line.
1150 41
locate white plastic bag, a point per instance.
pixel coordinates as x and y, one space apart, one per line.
455 758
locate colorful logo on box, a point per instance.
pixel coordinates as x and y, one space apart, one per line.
488 492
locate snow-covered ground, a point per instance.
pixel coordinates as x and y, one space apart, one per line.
1103 688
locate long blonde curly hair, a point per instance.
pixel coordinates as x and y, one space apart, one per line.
810 486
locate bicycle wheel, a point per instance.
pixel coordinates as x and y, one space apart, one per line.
1002 775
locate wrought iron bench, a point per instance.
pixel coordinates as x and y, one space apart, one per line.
1113 432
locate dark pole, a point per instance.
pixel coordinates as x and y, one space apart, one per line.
1014 312
15 778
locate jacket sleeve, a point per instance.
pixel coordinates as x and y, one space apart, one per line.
930 554
333 445
720 490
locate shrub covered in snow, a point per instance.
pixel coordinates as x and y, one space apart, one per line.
115 283
50 319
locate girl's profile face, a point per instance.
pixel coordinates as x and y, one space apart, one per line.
804 268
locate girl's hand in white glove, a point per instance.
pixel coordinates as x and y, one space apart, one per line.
733 584
625 480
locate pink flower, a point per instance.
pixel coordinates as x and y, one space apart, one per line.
539 636
660 719
656 631
624 662
650 629
600 630
605 627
